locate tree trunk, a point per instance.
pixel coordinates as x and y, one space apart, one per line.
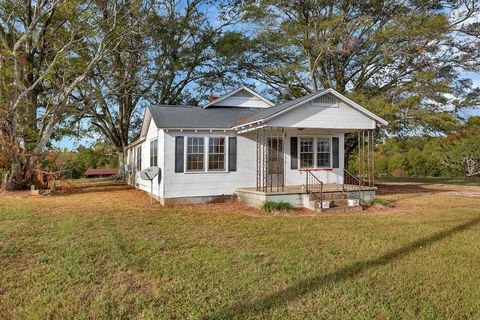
18 178
121 164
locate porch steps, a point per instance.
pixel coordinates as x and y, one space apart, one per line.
338 204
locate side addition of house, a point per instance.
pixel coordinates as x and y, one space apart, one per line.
242 144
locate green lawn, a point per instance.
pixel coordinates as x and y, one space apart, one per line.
92 255
474 181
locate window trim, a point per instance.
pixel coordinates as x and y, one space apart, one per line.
186 154
139 158
315 153
329 152
314 145
224 155
154 140
206 144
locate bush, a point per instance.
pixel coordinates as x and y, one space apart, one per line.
379 202
270 206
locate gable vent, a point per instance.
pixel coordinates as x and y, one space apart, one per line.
243 94
325 100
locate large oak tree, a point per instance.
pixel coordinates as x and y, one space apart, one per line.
170 59
404 60
48 47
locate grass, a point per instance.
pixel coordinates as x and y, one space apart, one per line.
108 255
474 181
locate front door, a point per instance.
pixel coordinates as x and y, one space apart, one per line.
275 163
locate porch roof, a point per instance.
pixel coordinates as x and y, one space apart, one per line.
270 113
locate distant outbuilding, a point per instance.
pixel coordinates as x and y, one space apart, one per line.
99 173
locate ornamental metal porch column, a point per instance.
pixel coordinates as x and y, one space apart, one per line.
366 157
270 156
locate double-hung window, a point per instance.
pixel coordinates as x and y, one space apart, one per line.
153 153
323 152
306 153
195 153
206 154
139 158
315 152
216 154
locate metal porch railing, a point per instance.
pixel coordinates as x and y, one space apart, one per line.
314 187
352 185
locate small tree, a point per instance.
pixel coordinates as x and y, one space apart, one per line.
463 152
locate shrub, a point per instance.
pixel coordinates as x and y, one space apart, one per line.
379 202
270 206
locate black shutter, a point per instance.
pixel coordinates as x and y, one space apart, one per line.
293 153
232 154
335 152
179 143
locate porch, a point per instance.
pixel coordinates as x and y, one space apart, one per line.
330 197
306 167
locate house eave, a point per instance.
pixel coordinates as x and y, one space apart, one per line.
228 95
135 143
196 129
377 119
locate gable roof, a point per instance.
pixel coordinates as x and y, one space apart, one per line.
232 93
270 113
229 118
181 117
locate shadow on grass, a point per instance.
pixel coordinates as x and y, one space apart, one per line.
311 284
393 188
108 186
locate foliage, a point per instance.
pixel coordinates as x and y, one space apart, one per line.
173 63
401 59
379 202
272 206
48 49
74 163
464 155
64 61
453 155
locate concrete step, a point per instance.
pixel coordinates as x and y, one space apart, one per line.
329 196
339 209
339 203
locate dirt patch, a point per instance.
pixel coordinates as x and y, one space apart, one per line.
402 188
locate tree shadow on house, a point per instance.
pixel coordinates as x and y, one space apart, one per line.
305 286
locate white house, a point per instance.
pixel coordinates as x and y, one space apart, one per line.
243 144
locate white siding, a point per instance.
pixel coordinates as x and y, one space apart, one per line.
152 133
310 116
297 177
246 102
187 184
184 184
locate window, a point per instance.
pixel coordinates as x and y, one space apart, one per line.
139 158
306 153
153 153
216 154
323 152
195 153
315 152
